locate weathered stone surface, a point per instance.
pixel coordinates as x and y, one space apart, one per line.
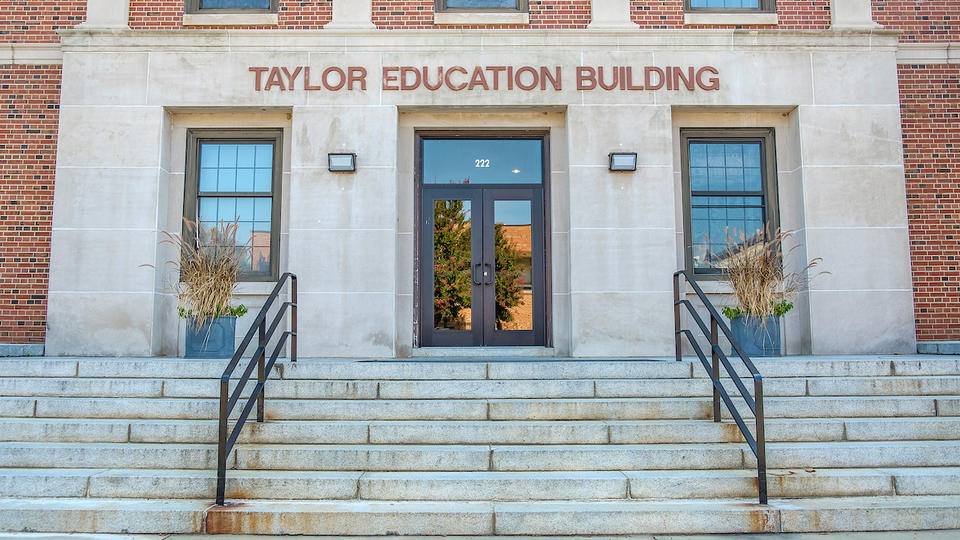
353 518
894 429
117 388
691 387
861 454
387 369
17 407
146 456
56 430
45 482
634 518
38 367
616 458
276 431
493 486
590 369
201 484
598 409
884 386
484 432
485 389
364 458
742 484
876 514
102 515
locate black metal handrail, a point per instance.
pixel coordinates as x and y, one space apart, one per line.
227 437
755 403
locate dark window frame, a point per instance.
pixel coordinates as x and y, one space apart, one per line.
193 7
766 6
522 6
768 168
191 193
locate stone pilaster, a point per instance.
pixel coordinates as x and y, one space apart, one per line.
610 15
351 14
846 14
107 14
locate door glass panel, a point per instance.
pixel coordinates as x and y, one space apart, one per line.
482 161
513 248
452 287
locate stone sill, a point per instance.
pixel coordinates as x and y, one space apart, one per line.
737 19
929 53
231 19
472 18
31 54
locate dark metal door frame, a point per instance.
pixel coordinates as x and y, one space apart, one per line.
481 211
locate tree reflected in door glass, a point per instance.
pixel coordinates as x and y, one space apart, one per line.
512 252
451 265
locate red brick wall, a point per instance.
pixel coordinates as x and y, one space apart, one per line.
553 14
37 21
30 98
293 14
927 20
930 107
793 14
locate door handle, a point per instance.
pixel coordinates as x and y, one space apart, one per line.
476 274
487 274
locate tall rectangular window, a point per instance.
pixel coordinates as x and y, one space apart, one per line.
232 176
481 5
734 6
231 6
730 194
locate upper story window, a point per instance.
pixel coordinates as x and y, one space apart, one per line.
481 5
730 6
231 6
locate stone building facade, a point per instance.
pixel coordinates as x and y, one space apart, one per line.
108 105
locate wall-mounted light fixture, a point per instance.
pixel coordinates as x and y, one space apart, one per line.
623 161
342 162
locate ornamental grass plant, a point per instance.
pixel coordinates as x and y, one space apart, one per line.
210 265
754 268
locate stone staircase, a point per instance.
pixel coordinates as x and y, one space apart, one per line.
444 447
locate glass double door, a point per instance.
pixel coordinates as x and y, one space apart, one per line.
482 266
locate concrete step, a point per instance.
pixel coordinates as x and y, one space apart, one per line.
476 389
495 409
794 483
290 409
393 369
477 432
860 454
476 486
663 408
344 518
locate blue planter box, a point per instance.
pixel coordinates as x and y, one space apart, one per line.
213 339
758 336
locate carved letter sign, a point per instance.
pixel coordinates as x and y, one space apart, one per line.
486 78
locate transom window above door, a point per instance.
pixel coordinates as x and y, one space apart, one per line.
231 6
483 161
481 5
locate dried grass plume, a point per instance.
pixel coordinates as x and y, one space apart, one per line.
754 268
210 264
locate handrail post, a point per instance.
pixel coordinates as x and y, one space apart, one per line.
676 315
714 342
293 318
222 441
761 441
262 339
